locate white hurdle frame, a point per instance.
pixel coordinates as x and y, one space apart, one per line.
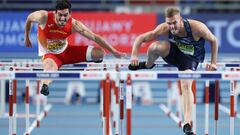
60 75
11 107
2 99
223 76
206 107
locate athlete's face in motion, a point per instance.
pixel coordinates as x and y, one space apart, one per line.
174 23
62 16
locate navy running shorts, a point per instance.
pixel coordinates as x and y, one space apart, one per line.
180 60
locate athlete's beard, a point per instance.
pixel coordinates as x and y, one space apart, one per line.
62 22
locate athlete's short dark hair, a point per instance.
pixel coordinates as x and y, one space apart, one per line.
63 4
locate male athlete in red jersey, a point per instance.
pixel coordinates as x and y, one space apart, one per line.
53 29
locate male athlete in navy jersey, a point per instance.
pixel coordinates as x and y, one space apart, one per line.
184 49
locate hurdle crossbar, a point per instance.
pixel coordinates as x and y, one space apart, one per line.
141 75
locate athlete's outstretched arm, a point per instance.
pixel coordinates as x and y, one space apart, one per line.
161 29
83 30
207 34
35 17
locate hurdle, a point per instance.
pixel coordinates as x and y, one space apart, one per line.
234 92
177 119
121 94
206 107
207 75
232 112
37 122
109 64
13 110
13 106
2 100
115 100
109 100
33 75
130 75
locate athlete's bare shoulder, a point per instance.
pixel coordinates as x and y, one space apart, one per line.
44 15
39 16
162 29
199 29
43 12
77 25
75 21
195 22
196 25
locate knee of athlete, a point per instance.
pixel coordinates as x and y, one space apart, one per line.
46 67
153 48
97 54
49 66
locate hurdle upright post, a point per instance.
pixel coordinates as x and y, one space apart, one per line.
216 108
2 98
107 103
113 102
121 91
129 104
232 111
14 107
116 101
10 107
116 115
206 107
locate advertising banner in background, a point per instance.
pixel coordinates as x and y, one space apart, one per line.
120 30
12 27
226 27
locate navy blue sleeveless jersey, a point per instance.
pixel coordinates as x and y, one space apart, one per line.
187 45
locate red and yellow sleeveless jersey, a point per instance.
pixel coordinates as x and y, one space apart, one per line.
52 38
